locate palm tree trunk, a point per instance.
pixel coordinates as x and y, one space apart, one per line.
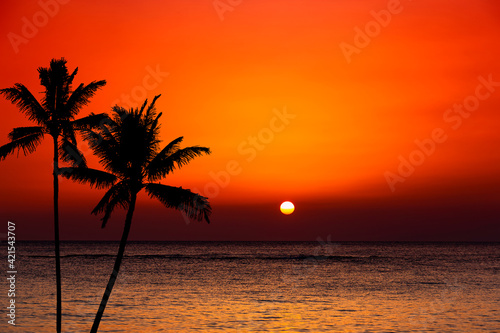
56 237
118 262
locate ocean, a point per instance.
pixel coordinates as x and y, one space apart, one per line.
321 286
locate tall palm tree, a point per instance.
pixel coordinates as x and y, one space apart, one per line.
129 150
54 115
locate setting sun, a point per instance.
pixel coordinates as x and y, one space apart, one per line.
287 208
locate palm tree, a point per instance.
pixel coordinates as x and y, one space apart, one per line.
55 116
129 150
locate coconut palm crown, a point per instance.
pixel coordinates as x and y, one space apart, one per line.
128 149
54 114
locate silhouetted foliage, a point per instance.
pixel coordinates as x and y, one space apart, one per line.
128 147
54 115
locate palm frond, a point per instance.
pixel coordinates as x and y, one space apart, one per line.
107 148
151 111
104 143
95 178
164 164
155 164
26 102
81 96
54 78
67 132
101 206
193 205
52 75
69 152
117 195
141 110
171 147
44 76
27 144
119 113
92 137
152 139
69 81
20 132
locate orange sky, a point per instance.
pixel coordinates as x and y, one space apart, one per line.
350 118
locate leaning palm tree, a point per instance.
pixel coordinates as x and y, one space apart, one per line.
129 150
54 115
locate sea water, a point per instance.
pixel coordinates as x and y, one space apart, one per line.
321 286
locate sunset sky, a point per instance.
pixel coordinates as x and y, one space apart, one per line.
316 102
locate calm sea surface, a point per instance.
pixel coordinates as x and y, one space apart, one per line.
262 287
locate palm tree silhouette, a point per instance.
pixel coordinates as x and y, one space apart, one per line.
54 115
128 148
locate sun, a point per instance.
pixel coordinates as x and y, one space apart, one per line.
287 208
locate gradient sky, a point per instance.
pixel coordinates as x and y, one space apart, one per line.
232 69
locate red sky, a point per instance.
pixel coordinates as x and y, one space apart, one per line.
356 104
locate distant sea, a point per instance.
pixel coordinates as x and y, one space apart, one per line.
262 287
